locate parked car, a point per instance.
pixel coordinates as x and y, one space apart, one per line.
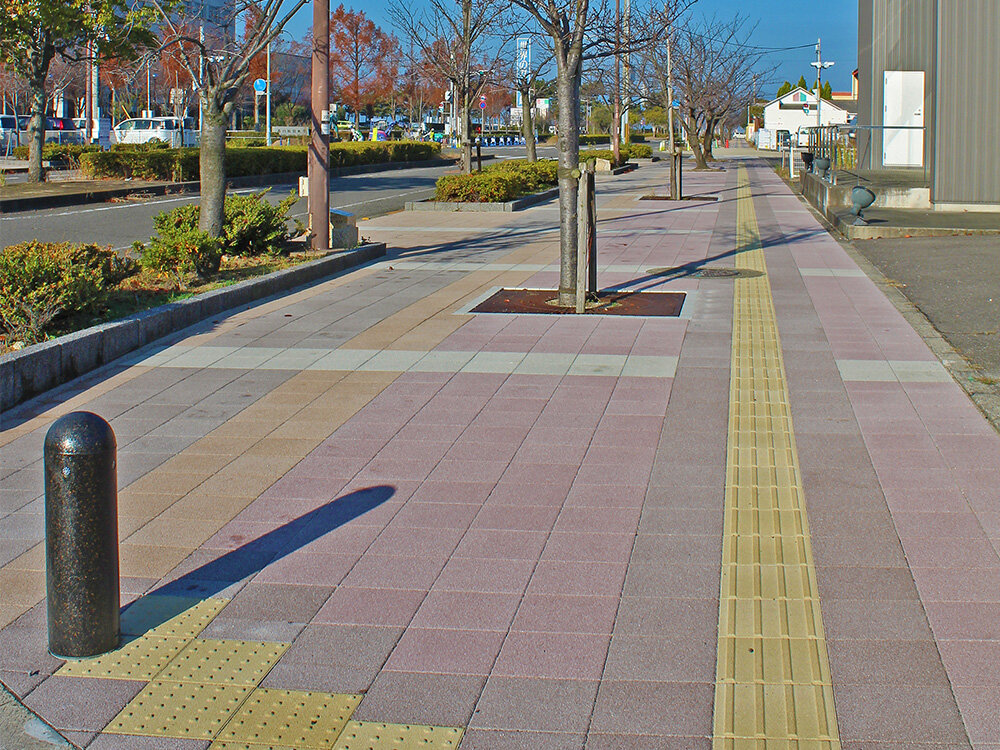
57 130
147 129
8 133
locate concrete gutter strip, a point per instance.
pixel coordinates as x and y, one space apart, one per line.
514 205
100 195
40 367
22 729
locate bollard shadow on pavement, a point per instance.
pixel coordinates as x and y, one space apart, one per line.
177 596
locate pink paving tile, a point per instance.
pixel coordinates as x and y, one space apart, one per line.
400 538
303 567
446 651
588 546
958 585
466 610
553 474
349 539
556 613
578 578
364 606
85 705
972 663
589 519
238 533
394 572
575 656
436 515
910 499
949 552
518 493
470 450
607 496
485 575
978 621
468 470
963 525
980 707
498 544
516 517
452 492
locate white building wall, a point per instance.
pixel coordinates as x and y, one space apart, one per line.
792 116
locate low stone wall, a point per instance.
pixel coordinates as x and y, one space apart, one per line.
38 368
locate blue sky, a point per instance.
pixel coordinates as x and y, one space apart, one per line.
782 23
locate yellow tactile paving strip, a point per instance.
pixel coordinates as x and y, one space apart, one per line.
209 689
773 686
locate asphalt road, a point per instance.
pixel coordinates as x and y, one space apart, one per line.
955 282
121 224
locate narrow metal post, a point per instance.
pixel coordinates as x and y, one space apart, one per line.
319 146
592 228
479 154
81 536
582 238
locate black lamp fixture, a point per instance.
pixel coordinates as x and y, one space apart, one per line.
861 198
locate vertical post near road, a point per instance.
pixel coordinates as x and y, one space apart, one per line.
319 146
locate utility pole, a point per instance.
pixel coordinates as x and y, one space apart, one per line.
819 65
319 147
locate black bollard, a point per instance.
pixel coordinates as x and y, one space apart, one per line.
81 536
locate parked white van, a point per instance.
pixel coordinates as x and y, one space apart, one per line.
165 129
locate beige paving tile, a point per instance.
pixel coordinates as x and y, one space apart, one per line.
147 504
10 612
32 559
169 483
183 532
22 588
149 561
205 506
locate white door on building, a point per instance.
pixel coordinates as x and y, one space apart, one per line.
904 108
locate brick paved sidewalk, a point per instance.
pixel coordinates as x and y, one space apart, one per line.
361 512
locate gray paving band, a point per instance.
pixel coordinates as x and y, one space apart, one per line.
43 366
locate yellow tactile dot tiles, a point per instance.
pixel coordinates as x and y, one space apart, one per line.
208 689
773 683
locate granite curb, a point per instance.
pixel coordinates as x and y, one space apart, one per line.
514 205
38 368
100 195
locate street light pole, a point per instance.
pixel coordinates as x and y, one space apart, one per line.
319 147
819 64
267 110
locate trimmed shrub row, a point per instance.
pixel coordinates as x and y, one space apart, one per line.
498 183
182 164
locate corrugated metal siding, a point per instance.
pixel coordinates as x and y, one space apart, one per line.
967 77
902 36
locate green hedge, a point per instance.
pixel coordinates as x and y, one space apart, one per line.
67 152
498 183
182 164
42 282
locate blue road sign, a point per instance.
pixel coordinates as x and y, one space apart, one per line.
260 85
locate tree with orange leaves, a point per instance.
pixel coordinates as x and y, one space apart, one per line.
364 60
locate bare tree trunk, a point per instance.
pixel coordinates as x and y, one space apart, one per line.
527 125
465 132
569 161
708 138
690 126
36 125
213 169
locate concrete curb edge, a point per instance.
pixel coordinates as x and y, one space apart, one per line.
514 205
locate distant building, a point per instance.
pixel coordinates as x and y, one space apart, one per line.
927 95
796 111
218 15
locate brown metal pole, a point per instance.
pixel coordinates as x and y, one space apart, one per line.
319 146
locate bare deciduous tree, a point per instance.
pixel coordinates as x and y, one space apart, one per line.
219 63
450 36
580 31
713 76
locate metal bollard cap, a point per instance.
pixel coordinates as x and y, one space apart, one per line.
79 433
